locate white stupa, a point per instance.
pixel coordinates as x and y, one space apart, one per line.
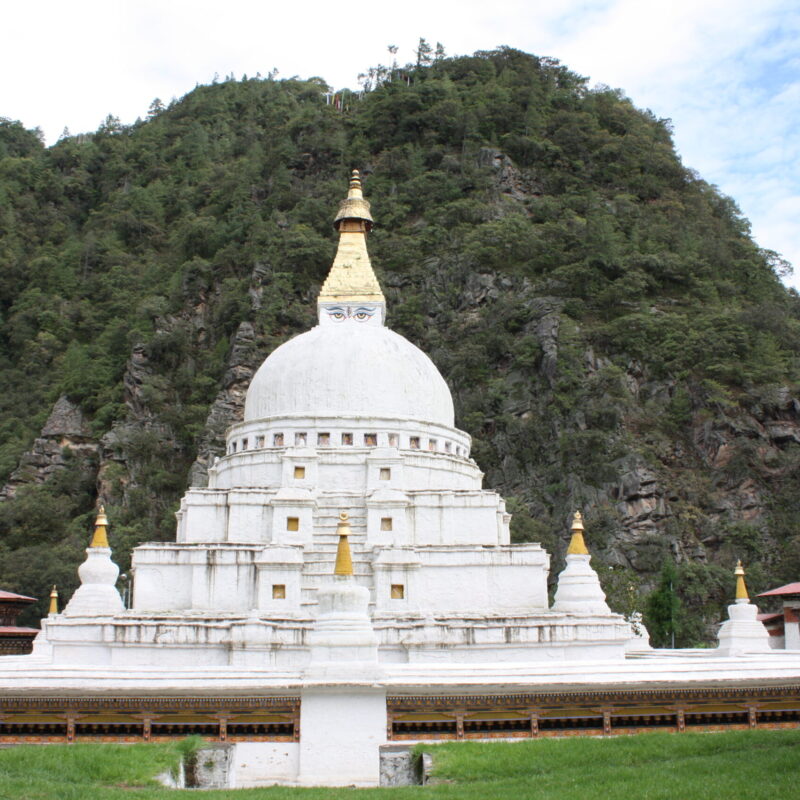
742 632
349 417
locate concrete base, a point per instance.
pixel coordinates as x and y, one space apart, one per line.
264 764
341 733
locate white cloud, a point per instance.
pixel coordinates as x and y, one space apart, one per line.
726 71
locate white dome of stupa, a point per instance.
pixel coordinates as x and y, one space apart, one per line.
349 370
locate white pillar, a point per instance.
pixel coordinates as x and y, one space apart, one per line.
341 731
791 625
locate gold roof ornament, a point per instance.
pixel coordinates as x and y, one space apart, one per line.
53 601
354 206
100 537
344 561
741 588
351 279
577 546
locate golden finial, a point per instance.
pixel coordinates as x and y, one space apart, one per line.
53 601
100 537
577 547
355 184
344 561
741 588
351 279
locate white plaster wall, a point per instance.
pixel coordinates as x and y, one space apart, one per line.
454 518
162 577
249 516
264 763
458 580
227 581
204 516
340 733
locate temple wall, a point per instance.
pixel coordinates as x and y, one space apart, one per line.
263 763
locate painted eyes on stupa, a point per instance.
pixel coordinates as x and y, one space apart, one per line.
358 313
362 313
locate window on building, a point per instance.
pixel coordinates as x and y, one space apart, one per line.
259 442
277 440
394 440
386 523
278 591
448 447
432 445
245 443
299 472
371 439
292 523
323 439
385 474
233 447
398 591
300 439
347 438
413 442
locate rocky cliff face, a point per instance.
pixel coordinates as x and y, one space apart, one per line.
66 436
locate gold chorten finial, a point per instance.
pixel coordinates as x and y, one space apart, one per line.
577 547
344 561
351 279
741 588
53 601
100 537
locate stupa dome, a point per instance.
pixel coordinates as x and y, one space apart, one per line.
349 370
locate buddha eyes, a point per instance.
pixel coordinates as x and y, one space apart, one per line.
360 314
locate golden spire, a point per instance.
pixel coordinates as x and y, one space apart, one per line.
100 538
741 589
344 562
53 601
577 547
351 279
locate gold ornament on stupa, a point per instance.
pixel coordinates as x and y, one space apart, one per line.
351 279
741 588
53 601
100 537
576 544
344 561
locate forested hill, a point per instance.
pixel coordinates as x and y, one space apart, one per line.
614 339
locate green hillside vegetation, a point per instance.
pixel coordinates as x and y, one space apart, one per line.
596 307
750 765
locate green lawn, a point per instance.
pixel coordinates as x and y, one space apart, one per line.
740 765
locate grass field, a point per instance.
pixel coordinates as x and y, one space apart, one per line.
743 765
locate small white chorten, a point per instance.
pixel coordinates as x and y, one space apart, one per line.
343 632
742 632
97 596
579 588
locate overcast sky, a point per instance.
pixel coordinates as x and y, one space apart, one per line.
727 72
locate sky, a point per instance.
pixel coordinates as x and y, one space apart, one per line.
726 72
